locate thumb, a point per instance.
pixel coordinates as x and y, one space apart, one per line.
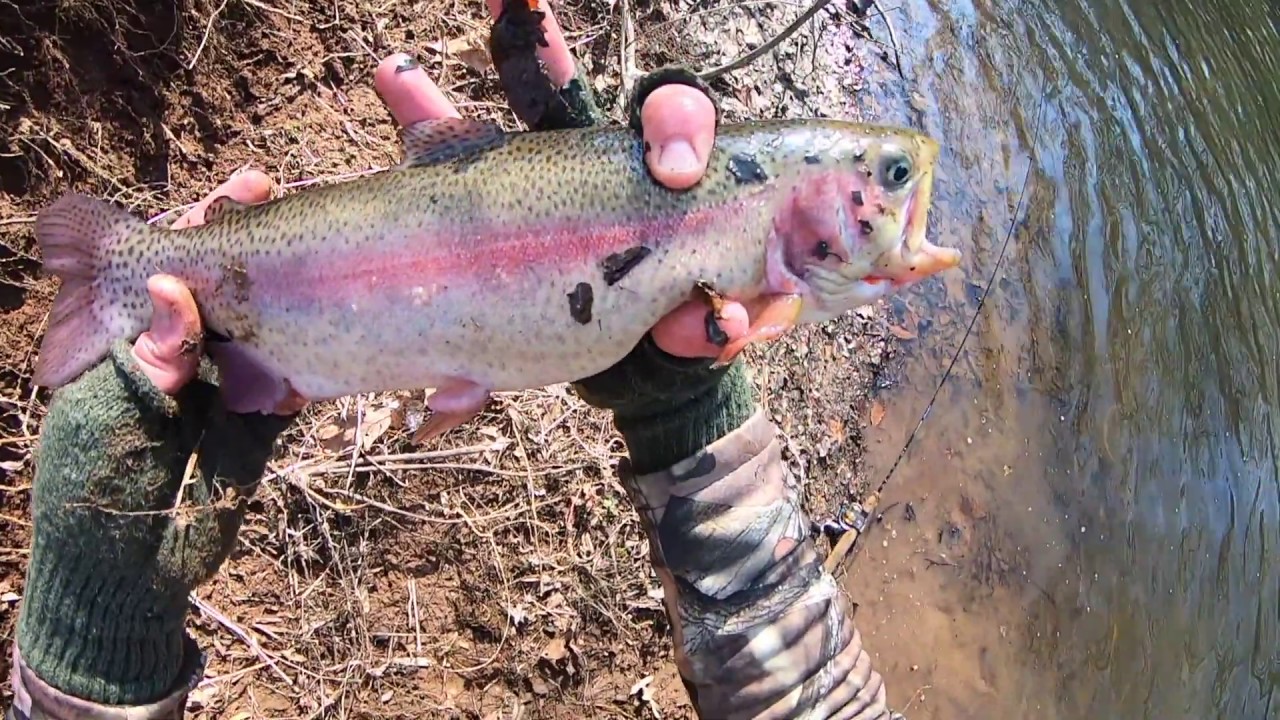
679 129
169 352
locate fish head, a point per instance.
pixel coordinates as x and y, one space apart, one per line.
859 222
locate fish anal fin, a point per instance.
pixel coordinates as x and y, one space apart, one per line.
431 142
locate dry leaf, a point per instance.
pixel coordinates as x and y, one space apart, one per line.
836 426
376 423
470 49
877 413
555 650
902 333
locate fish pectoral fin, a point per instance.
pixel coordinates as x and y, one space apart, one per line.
431 142
772 316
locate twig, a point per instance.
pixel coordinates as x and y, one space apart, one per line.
396 457
754 55
370 502
265 7
23 220
370 467
243 634
208 28
918 693
628 49
893 38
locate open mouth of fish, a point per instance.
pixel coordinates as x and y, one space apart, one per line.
913 257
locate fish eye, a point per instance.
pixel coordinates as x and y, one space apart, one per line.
896 171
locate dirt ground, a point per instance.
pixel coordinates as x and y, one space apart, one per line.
501 572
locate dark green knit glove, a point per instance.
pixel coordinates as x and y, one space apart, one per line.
120 538
668 408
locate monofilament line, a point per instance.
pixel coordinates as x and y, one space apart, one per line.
955 357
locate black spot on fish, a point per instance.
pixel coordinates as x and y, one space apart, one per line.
617 265
746 170
580 301
715 334
812 159
866 227
857 198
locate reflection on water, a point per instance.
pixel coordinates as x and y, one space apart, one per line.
1095 496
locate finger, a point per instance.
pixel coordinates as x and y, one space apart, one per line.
169 352
249 187
683 332
409 93
679 128
556 56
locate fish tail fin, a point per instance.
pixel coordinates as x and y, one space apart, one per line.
77 236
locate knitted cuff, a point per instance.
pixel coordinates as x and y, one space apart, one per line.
661 439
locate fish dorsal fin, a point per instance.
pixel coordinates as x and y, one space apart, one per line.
222 206
430 142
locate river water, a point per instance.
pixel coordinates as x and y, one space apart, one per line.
1094 524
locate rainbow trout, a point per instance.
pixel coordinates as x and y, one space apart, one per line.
492 261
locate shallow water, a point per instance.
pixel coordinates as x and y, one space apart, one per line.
1096 491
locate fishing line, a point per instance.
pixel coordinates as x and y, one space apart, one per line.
955 358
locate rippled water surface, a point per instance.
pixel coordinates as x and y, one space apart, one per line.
1095 495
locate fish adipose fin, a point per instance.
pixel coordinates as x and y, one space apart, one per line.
432 142
77 236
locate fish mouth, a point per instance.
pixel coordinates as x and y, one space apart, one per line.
915 258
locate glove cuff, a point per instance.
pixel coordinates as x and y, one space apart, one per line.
111 640
665 434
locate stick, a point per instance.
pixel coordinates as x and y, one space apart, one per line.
628 50
243 634
893 38
769 46
207 29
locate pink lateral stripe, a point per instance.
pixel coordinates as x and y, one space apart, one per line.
493 252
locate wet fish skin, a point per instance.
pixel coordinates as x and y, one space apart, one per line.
464 268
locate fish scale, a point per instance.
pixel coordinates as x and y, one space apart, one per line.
495 261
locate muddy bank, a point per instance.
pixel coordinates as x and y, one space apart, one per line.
508 573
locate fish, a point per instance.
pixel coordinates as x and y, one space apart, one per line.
490 260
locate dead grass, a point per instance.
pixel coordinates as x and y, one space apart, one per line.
500 573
